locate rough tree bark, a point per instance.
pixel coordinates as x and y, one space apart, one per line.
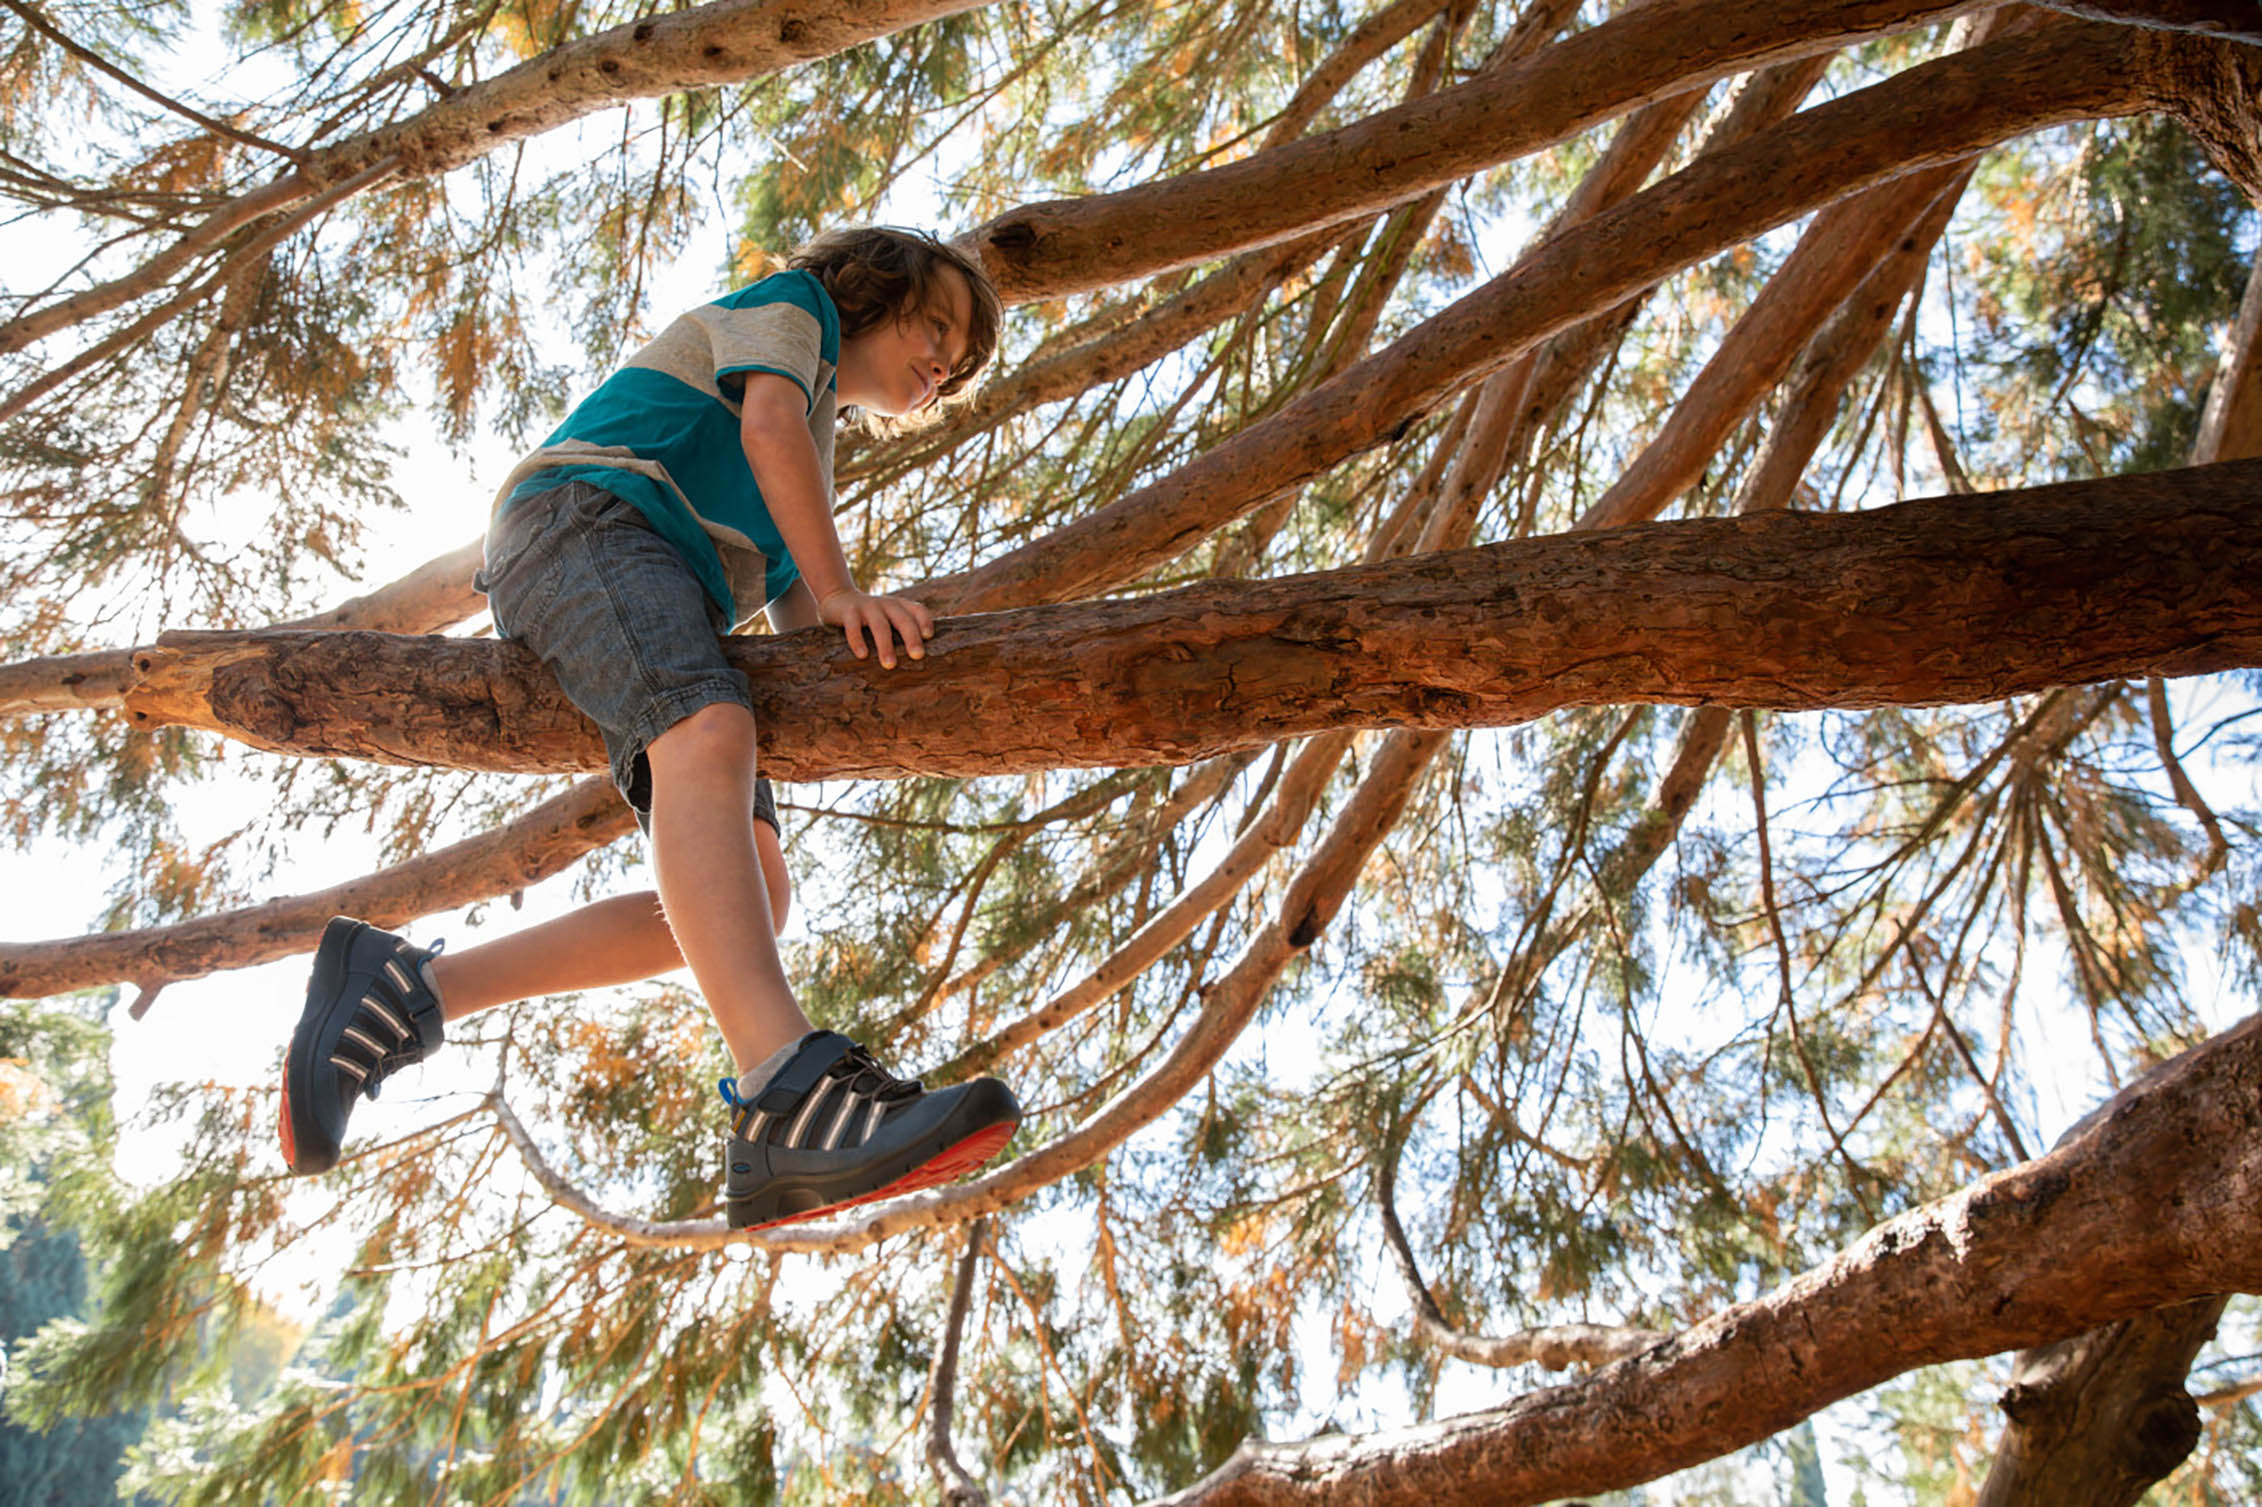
2095 1420
2121 1218
1923 602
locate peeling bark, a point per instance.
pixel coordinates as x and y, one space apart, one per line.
2119 1219
1921 603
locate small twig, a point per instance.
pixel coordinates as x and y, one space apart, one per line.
100 64
2187 794
1986 1084
1856 1173
1556 1347
959 1489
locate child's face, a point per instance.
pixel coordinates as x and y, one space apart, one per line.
896 368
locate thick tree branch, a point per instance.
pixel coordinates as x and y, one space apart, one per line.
1937 113
1644 53
2120 1219
1925 602
545 841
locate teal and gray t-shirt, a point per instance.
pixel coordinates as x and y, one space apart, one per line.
662 432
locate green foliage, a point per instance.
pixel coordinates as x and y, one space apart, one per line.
1628 1065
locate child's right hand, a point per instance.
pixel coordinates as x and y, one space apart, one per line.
881 619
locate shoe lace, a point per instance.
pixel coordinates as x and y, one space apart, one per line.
872 1079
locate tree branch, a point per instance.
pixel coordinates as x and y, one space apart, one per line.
724 42
957 1487
1643 53
2119 1219
1925 602
1940 112
544 841
437 594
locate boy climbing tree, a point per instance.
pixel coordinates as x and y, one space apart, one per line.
691 491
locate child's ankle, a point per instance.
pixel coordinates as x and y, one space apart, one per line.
756 1078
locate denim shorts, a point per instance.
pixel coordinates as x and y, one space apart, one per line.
577 575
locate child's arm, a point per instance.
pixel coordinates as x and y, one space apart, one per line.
774 428
794 610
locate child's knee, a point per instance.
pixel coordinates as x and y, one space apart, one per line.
717 735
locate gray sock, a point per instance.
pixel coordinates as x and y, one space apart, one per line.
424 972
756 1078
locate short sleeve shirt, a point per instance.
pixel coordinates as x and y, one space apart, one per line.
663 433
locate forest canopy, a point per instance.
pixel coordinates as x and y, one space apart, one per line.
1591 755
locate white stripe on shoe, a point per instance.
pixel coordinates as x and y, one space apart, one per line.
809 1107
370 1001
355 1034
848 1106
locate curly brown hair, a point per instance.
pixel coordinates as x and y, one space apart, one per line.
878 273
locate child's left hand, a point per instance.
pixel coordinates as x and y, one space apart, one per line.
882 619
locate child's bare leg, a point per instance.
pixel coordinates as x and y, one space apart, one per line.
613 941
704 854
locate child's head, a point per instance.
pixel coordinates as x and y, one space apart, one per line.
882 278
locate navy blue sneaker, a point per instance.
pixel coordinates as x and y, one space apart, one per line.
834 1128
368 1011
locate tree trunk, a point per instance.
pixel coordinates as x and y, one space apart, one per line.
2097 1419
1925 602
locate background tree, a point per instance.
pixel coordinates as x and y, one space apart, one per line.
1367 1057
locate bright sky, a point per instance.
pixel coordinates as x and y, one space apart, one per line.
230 1029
